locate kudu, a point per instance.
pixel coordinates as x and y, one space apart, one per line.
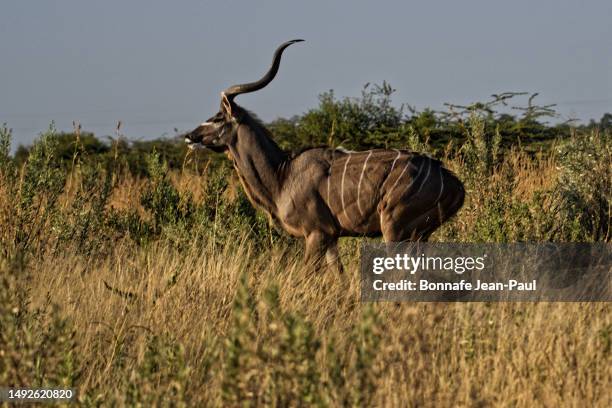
325 193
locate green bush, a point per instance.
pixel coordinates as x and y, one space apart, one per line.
281 369
32 196
161 198
584 189
37 347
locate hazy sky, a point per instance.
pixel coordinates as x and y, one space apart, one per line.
157 65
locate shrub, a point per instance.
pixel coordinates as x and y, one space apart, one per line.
32 198
584 189
37 348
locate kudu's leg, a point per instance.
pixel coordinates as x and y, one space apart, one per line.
315 249
333 257
319 248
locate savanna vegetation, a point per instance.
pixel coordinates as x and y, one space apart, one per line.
139 274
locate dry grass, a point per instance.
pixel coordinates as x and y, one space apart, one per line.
429 354
161 324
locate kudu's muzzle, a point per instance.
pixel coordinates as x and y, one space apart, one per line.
193 142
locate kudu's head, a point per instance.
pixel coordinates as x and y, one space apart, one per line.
221 129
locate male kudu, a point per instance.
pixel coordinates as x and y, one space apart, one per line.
324 193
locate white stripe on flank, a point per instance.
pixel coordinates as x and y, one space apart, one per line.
365 163
396 157
441 185
401 174
329 175
413 180
328 181
342 183
426 177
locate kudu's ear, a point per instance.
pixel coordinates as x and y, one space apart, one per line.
226 106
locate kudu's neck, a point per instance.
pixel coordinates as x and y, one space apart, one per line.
259 162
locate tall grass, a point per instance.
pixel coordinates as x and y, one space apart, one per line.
172 290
